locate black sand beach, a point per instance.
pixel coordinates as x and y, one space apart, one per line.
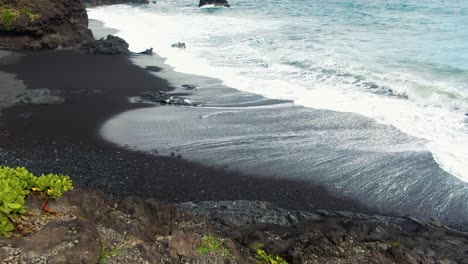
64 138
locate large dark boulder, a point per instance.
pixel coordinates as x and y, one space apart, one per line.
214 2
43 24
112 45
114 2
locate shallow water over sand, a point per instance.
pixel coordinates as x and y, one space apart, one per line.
352 155
401 63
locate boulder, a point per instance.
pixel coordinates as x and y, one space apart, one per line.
190 87
164 98
112 45
147 52
43 24
214 2
40 96
179 45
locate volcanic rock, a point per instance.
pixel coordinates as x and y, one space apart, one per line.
43 24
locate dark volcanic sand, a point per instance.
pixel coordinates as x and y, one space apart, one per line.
64 138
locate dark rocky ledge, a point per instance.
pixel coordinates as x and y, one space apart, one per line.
88 226
112 45
44 24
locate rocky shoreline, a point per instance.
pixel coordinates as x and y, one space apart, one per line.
315 228
53 128
90 227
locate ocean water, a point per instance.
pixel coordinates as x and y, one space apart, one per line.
401 63
393 74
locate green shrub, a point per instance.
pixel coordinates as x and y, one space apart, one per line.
5 226
394 244
16 184
265 258
53 185
211 245
9 14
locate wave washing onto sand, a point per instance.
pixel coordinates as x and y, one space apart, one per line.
289 59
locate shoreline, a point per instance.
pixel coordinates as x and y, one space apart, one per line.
349 154
72 144
64 138
198 133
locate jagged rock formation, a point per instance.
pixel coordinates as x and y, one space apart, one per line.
89 227
214 2
326 236
45 24
112 45
179 45
114 2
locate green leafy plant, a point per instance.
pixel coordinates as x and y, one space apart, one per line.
9 14
5 226
265 258
211 245
16 184
53 185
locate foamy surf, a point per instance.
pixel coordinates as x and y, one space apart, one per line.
285 61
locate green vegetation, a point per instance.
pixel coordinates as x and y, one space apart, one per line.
394 244
9 14
265 258
53 185
32 16
107 253
16 184
211 245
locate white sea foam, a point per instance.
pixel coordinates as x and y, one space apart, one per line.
252 55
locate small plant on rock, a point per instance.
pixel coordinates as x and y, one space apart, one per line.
211 245
32 16
53 185
394 244
108 253
9 14
16 184
265 258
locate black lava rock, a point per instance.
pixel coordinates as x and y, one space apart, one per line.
112 45
214 2
179 45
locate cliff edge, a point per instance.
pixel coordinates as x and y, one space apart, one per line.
43 24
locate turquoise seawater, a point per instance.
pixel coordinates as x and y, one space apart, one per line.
402 63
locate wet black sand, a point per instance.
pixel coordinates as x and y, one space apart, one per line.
64 138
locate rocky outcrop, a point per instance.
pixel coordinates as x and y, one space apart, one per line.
214 2
112 45
326 236
179 45
89 227
147 52
164 98
43 24
39 96
114 2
